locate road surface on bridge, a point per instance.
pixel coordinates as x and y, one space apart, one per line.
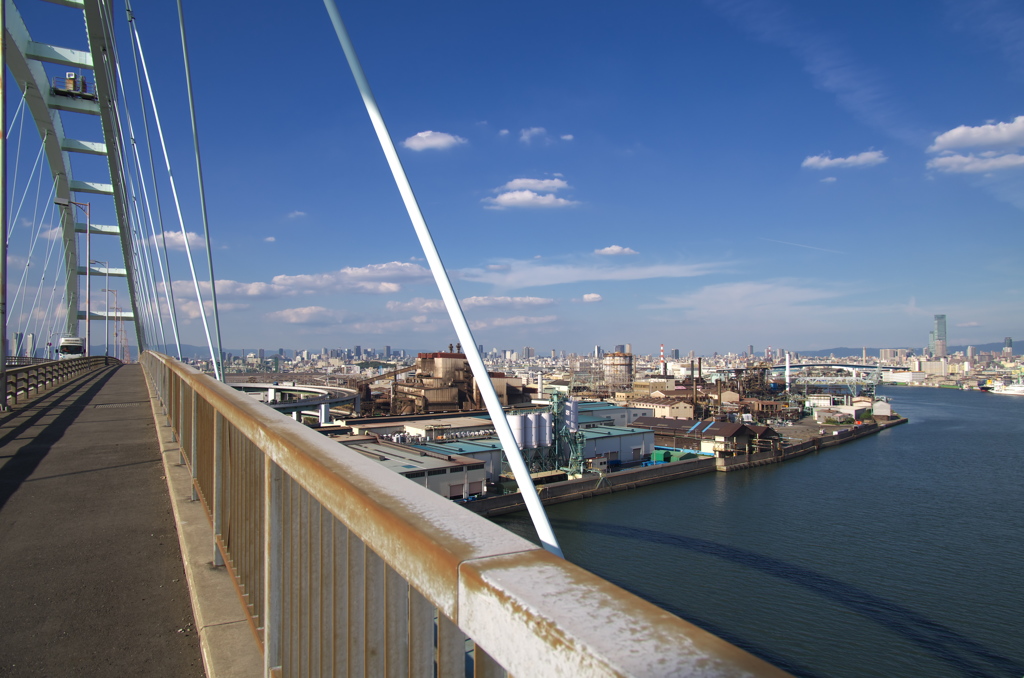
91 575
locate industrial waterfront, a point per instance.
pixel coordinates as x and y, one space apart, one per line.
894 555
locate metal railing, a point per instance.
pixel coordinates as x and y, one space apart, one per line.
347 568
30 379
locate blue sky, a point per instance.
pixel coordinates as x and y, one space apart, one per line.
705 175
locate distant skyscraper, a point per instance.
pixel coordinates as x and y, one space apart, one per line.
620 348
1008 347
629 348
940 336
750 350
597 352
675 354
387 351
358 351
261 354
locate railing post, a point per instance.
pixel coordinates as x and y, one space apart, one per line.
194 437
179 420
273 561
218 486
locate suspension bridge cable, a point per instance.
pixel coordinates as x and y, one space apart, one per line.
17 151
50 249
141 274
202 190
147 217
177 204
36 233
444 285
24 194
165 271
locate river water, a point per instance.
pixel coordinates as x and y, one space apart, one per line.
900 554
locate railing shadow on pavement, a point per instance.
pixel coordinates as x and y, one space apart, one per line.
20 466
347 568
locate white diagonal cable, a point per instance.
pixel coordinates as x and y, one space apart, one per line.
444 286
177 204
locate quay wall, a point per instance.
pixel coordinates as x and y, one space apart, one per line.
583 488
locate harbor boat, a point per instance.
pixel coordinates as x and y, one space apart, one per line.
1009 389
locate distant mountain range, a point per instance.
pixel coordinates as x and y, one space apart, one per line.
845 351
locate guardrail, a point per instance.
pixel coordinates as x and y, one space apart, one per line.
347 568
24 381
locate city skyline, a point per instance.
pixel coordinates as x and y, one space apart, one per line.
708 174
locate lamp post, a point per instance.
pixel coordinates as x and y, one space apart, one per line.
106 306
85 207
106 322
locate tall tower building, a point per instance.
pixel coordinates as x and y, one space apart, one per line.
940 336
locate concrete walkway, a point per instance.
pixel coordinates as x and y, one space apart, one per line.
91 575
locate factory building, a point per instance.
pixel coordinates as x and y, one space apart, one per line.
444 382
450 475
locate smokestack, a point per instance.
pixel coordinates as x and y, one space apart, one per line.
787 371
700 368
693 385
664 367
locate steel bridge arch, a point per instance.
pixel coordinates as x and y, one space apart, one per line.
24 58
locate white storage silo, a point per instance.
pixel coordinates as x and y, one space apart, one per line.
515 421
545 429
530 431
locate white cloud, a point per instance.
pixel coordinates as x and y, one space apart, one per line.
542 185
429 139
269 239
1004 135
752 299
513 321
972 164
532 273
567 137
54 233
436 305
828 180
526 199
175 241
308 315
865 159
189 308
418 304
503 133
591 298
296 214
613 250
527 135
473 302
971 323
831 66
374 278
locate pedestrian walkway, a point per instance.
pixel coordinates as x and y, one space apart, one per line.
91 575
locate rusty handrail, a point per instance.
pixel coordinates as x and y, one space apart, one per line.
325 544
